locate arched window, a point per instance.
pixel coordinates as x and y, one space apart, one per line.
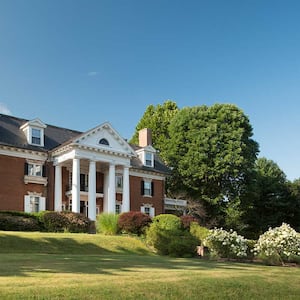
104 142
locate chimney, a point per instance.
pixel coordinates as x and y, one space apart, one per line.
145 137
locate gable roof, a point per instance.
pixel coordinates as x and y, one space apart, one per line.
12 135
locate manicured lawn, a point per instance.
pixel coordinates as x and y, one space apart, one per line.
99 267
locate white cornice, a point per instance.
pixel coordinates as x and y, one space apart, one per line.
146 174
23 153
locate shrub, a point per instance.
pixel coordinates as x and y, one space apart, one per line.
107 223
187 220
133 222
167 235
278 245
226 244
199 232
64 221
15 221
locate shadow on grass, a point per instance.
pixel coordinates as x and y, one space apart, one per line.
67 255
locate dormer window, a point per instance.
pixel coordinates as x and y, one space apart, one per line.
36 136
34 132
146 155
148 159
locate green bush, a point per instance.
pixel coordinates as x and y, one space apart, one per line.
168 237
134 222
64 221
199 232
18 221
107 223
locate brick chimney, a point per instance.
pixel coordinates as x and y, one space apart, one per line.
145 137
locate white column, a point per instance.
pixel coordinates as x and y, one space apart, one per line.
111 189
57 189
92 191
76 185
126 191
105 192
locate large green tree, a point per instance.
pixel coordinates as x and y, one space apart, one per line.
157 118
211 150
270 200
211 153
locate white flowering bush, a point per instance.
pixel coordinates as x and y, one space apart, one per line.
226 244
278 245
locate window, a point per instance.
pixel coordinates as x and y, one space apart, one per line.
118 209
84 179
35 136
34 170
119 181
148 210
147 188
34 203
149 159
104 142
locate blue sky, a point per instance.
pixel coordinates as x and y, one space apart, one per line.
79 63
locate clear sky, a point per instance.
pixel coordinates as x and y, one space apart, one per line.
79 63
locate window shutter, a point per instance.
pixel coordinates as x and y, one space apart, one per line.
152 211
26 168
143 209
42 204
152 188
142 188
44 171
27 207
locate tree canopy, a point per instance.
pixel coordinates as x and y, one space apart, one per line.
211 151
157 118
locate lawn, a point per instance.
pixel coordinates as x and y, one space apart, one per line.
81 266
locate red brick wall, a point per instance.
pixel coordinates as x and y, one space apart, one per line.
137 200
12 186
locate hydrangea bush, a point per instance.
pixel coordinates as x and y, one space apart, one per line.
226 244
279 244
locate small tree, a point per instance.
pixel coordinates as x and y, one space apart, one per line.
134 222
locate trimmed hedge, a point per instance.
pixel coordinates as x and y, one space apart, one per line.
134 222
18 221
51 221
65 221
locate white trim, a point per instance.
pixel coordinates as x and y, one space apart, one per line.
35 179
23 153
146 175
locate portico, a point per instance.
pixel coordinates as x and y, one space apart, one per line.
83 159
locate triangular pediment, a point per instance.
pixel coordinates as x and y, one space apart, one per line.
104 137
34 123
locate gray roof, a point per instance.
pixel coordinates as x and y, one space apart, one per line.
12 135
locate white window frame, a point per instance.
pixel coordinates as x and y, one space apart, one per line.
33 200
148 209
148 161
35 169
147 190
33 136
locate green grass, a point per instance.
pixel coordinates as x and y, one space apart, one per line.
79 266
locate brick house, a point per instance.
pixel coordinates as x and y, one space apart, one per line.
44 167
